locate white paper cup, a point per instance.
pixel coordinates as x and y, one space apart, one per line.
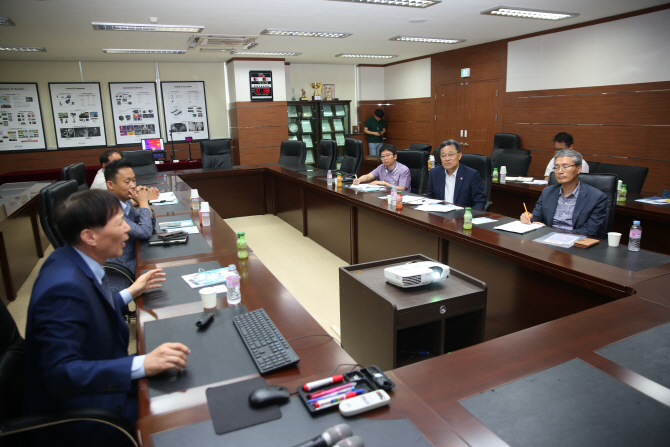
208 296
389 199
613 239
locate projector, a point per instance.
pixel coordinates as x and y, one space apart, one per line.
416 273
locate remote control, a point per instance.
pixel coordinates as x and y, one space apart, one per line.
364 402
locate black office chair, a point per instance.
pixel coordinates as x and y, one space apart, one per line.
506 141
76 172
352 157
12 374
421 147
417 162
292 152
517 165
632 176
216 153
50 197
606 183
593 167
143 163
481 163
327 155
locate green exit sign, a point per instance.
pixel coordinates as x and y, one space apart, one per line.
465 72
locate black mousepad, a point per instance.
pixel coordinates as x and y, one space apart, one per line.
230 409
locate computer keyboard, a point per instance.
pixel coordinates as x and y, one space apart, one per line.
265 343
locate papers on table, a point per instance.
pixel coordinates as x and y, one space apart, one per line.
365 187
519 179
180 224
482 220
559 239
537 182
208 278
190 230
438 208
654 200
518 227
165 198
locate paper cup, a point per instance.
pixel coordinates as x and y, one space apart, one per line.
208 296
613 239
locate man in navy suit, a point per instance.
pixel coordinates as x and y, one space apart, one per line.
454 182
570 205
76 339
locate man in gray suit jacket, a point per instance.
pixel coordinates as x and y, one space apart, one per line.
570 205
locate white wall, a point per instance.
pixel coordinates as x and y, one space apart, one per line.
408 80
627 51
371 83
242 92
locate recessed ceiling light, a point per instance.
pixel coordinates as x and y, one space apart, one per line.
369 56
146 27
265 53
426 39
523 13
408 3
138 51
304 33
418 20
17 48
6 21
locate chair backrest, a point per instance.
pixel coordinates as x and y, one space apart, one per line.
12 373
517 165
50 197
327 155
506 141
292 152
421 147
593 167
216 153
352 156
497 152
417 162
142 161
481 163
632 176
76 172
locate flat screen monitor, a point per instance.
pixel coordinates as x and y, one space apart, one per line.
155 145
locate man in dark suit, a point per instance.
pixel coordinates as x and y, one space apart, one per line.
76 339
454 182
570 205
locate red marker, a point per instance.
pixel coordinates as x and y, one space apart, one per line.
319 383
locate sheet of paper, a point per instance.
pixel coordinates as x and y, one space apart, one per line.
208 278
654 201
165 198
176 224
365 187
190 230
518 227
537 182
482 220
438 208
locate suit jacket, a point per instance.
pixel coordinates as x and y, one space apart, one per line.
141 228
590 210
469 190
76 351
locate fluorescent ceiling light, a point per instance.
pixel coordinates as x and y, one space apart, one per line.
137 51
17 48
303 33
523 13
369 56
408 3
146 27
266 53
6 21
426 39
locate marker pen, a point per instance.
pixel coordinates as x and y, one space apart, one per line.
335 391
340 397
319 383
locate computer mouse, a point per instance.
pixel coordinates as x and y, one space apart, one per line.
269 395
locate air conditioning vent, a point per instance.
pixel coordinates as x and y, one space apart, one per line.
220 41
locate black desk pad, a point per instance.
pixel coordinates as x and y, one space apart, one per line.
300 168
175 290
217 352
315 173
173 208
196 243
17 185
230 409
150 181
294 427
620 256
571 404
647 354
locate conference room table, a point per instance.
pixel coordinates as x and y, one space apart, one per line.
545 305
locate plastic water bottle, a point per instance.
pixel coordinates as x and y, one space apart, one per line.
394 192
242 252
494 177
467 219
195 200
503 174
233 288
635 236
329 177
431 162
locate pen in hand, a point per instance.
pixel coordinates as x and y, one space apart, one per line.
530 216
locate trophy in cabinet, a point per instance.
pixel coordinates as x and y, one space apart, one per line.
303 97
317 91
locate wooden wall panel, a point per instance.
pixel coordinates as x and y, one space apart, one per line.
420 109
486 61
258 130
261 136
411 131
259 155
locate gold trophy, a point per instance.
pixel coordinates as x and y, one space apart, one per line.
317 91
303 97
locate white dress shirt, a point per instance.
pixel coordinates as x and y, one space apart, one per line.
449 185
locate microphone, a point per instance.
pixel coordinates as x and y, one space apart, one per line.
329 437
352 441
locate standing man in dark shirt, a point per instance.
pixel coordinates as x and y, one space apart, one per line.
375 128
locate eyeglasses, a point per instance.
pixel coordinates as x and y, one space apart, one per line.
449 155
563 168
387 155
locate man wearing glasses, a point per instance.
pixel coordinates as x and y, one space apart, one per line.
570 205
389 173
563 140
453 182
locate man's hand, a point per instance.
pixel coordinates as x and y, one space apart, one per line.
142 196
166 356
150 280
526 218
356 181
153 193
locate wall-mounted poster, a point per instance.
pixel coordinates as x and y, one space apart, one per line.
135 111
185 110
77 113
21 126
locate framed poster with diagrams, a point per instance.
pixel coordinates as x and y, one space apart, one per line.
185 110
135 111
21 126
77 114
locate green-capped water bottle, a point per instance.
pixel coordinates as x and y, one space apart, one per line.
494 177
467 219
242 252
622 193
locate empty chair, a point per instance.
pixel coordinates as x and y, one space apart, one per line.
50 197
593 167
517 165
327 155
352 156
143 162
292 152
76 172
417 162
421 147
481 163
506 141
216 153
632 176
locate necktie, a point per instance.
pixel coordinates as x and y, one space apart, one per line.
106 286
